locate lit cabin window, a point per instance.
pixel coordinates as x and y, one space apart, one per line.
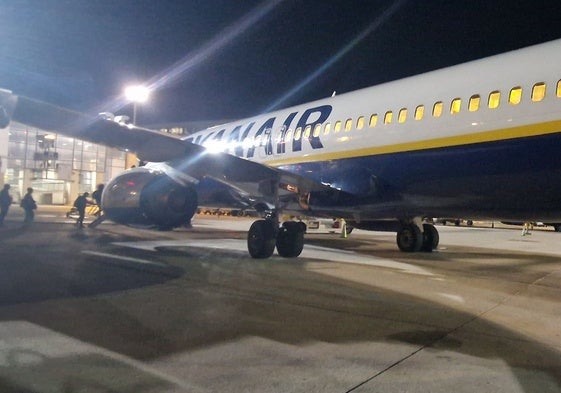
559 88
360 123
515 96
388 117
455 106
298 134
307 131
337 127
494 99
437 109
419 112
327 128
348 125
373 120
538 92
317 130
474 102
402 115
288 136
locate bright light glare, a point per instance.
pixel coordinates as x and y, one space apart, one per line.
137 93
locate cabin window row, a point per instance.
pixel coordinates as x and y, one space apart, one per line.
473 104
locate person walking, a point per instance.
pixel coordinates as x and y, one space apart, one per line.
80 204
96 195
28 204
5 202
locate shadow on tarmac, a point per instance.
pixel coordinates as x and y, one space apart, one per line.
224 297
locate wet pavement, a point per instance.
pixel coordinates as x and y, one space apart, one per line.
121 309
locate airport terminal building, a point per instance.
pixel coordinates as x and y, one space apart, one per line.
58 167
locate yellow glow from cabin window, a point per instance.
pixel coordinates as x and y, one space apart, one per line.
559 88
419 112
307 131
402 115
337 126
455 106
348 125
494 99
515 96
373 120
437 109
388 117
289 134
317 130
538 92
474 102
326 128
298 134
360 123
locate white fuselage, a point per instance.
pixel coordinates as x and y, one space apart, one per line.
522 69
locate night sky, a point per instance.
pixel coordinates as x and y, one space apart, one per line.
226 59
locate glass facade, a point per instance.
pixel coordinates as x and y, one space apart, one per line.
57 167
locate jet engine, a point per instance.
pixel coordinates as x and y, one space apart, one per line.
147 197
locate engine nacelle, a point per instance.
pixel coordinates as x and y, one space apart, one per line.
147 197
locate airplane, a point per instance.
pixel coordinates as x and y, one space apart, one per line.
480 139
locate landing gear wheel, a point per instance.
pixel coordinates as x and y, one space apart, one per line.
430 238
290 239
409 238
261 239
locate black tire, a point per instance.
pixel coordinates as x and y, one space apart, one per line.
409 238
557 227
430 238
261 239
290 239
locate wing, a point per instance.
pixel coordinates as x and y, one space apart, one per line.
250 180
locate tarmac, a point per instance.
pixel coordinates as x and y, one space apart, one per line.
128 309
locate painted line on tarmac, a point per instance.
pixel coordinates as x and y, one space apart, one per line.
311 252
123 258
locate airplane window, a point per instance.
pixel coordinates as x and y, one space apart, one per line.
455 106
337 126
388 117
348 124
437 109
317 130
298 134
494 99
474 102
373 120
559 88
288 136
402 115
515 95
326 128
538 92
360 123
419 112
307 131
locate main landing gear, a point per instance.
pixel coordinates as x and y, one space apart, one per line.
265 235
410 238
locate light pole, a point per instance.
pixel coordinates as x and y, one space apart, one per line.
136 94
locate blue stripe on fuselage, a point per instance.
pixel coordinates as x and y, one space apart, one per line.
480 179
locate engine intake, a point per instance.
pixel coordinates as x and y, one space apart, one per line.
146 197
